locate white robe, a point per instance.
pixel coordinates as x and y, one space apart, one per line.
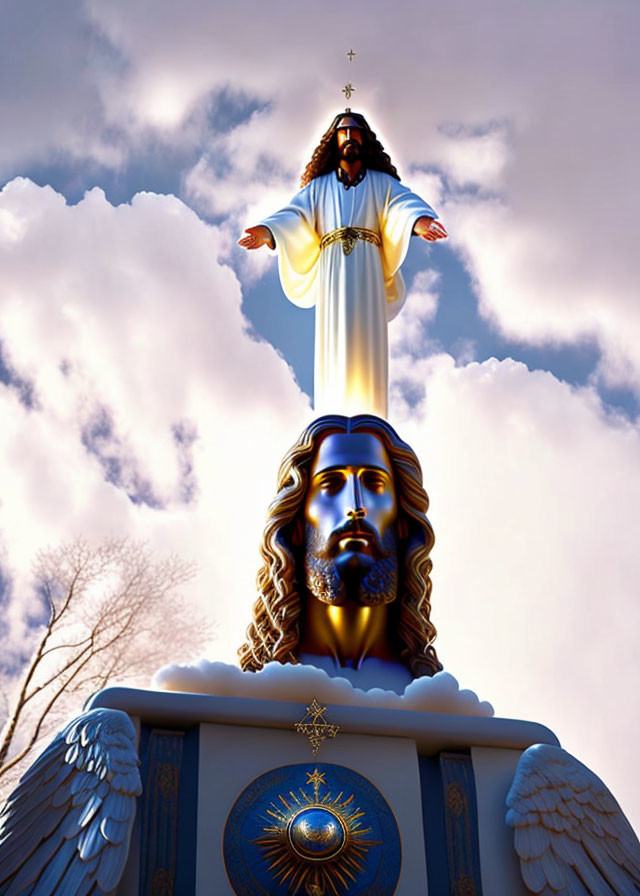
355 295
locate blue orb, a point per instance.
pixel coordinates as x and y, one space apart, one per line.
317 834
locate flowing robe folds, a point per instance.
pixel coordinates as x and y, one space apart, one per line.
354 295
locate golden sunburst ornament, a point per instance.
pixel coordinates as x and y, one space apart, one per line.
315 843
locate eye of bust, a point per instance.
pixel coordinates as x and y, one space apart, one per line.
374 481
331 482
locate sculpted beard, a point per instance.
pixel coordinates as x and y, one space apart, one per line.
351 150
332 583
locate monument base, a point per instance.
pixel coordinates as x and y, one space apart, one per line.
440 780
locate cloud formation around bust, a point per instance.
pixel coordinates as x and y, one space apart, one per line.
301 683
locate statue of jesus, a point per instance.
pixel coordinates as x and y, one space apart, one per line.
341 242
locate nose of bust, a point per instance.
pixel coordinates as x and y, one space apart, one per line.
355 509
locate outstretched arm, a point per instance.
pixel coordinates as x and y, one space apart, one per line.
257 236
429 230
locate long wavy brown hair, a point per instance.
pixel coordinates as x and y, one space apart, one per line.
325 156
274 632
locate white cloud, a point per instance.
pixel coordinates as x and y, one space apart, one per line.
52 66
472 158
409 331
130 332
302 683
535 501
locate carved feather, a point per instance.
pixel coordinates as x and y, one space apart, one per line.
570 834
66 827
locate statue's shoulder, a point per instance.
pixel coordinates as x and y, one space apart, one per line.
381 177
321 182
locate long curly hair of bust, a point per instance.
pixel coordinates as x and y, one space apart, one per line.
325 156
274 632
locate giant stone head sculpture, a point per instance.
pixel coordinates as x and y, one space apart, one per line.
346 552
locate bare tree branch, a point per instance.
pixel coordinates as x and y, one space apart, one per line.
108 611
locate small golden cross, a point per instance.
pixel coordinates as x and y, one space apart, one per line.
351 55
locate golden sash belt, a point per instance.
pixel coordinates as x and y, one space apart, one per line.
348 237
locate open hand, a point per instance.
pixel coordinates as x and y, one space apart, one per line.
429 230
257 236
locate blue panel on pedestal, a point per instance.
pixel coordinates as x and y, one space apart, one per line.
461 819
167 813
312 829
450 818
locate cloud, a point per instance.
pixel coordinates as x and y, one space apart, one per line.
149 396
409 332
535 502
51 74
302 683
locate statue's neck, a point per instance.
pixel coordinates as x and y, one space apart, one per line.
349 634
351 169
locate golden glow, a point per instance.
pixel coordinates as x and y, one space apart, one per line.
348 633
334 615
365 613
357 623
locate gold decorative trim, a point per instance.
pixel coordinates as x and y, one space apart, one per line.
348 236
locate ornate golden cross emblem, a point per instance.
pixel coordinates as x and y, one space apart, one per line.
314 726
348 89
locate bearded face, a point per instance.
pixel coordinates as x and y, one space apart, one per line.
349 141
346 553
350 514
350 150
337 577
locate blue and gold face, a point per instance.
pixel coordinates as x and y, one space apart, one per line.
350 515
351 487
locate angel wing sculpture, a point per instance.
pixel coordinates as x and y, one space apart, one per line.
66 827
570 834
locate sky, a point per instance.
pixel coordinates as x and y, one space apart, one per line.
152 375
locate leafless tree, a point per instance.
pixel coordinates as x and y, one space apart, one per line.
111 612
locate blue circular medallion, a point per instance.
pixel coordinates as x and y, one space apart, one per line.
302 829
